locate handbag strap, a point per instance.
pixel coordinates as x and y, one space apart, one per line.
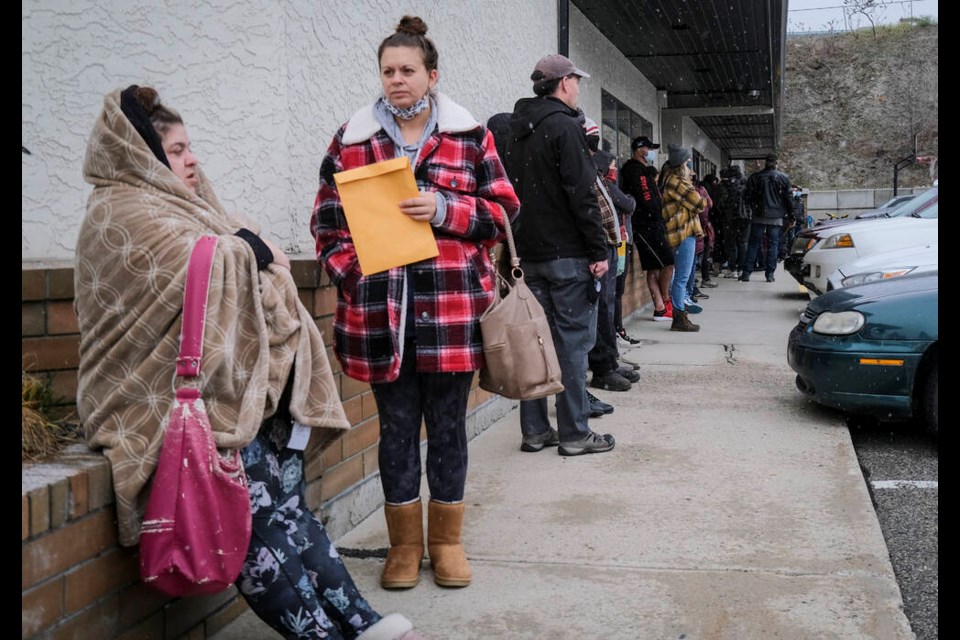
515 271
195 292
514 259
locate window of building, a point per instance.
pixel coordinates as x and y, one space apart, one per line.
702 166
619 125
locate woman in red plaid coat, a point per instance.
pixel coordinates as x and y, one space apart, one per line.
413 332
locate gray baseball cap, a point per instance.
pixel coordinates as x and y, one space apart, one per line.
555 66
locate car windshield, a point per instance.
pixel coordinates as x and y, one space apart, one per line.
895 202
930 212
916 205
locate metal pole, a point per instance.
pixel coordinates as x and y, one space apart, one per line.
563 27
899 164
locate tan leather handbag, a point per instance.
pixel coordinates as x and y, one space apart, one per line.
520 361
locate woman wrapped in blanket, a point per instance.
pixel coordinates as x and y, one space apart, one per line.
265 371
413 332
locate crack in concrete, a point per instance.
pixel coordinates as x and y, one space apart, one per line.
730 349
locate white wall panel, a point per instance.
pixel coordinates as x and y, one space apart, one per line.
262 87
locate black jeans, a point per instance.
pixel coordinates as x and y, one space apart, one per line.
736 237
439 400
602 358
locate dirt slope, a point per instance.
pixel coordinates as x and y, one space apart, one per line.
854 105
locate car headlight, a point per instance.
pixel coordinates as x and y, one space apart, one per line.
839 241
873 276
802 245
838 324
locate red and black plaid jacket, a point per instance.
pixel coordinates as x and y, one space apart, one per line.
449 292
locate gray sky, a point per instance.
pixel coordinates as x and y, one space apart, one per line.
817 15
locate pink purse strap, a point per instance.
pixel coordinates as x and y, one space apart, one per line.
199 270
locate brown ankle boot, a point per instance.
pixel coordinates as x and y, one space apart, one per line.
444 523
405 526
681 322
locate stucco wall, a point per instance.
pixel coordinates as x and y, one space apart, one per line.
262 86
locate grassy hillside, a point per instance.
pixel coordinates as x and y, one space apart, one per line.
854 104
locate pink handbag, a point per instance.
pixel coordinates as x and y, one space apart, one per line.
196 530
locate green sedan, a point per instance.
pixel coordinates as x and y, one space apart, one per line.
872 349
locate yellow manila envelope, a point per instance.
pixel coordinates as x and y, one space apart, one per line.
383 235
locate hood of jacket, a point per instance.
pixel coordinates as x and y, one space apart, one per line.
528 113
451 118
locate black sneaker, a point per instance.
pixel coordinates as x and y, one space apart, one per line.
592 443
709 284
630 374
625 337
532 444
598 407
611 381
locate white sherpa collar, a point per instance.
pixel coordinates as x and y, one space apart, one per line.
451 118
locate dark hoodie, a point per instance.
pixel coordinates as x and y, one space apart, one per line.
730 195
553 175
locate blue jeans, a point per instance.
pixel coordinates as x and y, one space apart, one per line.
757 232
692 280
683 257
562 286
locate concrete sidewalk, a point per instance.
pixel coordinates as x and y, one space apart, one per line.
730 508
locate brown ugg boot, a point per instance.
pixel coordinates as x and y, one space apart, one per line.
681 322
405 526
444 523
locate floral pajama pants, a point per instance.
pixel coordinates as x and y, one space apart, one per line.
293 578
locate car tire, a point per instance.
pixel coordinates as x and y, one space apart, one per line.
931 391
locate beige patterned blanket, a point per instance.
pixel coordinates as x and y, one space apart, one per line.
140 226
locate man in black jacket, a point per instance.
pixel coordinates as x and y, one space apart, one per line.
562 245
769 195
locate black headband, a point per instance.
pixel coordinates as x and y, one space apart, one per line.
140 120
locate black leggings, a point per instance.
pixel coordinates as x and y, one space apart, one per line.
440 401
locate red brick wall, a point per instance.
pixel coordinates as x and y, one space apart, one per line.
77 582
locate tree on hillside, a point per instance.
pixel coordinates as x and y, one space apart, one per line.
869 9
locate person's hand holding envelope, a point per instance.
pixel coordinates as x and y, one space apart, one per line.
384 234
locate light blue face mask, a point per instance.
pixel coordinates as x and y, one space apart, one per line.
651 156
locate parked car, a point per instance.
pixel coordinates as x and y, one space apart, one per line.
844 244
872 349
908 205
924 205
883 266
886 207
916 204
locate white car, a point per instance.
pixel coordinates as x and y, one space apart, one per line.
846 243
883 266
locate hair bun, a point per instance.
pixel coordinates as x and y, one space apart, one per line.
148 98
412 25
